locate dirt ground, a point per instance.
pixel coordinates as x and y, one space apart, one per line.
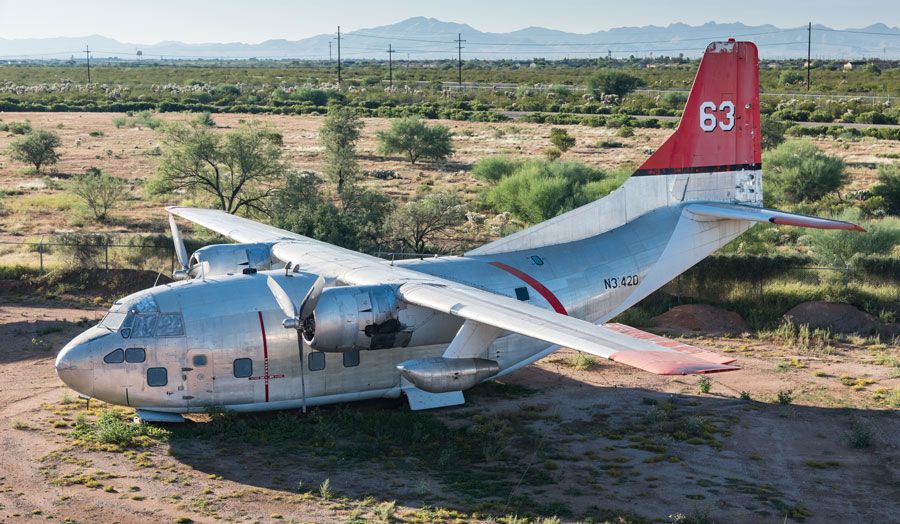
767 463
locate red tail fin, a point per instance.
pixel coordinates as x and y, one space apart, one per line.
719 130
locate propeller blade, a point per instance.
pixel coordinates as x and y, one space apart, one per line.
312 298
180 250
284 300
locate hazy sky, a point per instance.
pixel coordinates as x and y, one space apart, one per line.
253 21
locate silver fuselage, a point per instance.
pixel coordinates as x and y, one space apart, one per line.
233 353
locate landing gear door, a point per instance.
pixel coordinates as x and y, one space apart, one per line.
199 378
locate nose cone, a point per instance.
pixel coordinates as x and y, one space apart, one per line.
75 365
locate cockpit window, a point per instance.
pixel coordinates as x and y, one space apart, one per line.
143 325
170 325
115 357
113 320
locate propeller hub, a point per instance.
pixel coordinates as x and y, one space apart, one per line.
290 323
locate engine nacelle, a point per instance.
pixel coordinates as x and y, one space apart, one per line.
357 317
224 259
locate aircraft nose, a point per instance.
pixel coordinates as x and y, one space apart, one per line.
75 367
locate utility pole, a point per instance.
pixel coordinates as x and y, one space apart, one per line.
459 43
87 53
390 66
339 55
808 52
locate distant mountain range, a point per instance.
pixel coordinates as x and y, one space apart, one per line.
422 38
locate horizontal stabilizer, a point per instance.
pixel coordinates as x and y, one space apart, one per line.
715 211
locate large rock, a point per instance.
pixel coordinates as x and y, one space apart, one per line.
840 318
700 318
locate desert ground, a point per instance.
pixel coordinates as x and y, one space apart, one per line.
584 441
794 436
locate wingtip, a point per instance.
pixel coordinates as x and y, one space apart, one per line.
669 363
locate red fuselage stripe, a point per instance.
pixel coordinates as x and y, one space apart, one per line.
262 328
540 288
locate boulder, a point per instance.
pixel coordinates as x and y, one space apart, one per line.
700 318
840 318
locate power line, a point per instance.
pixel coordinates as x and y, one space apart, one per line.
390 66
339 54
808 52
87 53
459 43
854 31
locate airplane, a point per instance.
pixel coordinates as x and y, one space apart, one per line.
280 321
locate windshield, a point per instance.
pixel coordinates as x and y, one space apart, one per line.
113 320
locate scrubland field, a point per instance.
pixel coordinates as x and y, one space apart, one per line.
805 432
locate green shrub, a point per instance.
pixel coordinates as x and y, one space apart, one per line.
785 398
772 130
540 189
561 138
552 153
880 238
800 172
888 187
37 148
112 429
415 139
613 83
705 385
625 132
205 119
18 128
493 168
101 193
791 77
83 250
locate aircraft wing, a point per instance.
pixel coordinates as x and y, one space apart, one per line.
457 299
543 324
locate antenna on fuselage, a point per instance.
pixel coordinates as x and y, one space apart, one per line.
287 269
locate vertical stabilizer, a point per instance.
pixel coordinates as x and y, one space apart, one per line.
713 156
719 129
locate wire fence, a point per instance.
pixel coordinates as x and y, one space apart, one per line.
95 255
108 255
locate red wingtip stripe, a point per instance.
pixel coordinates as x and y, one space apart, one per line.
540 288
816 223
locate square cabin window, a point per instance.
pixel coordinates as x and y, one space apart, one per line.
135 355
199 361
243 368
522 293
316 361
157 377
351 359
